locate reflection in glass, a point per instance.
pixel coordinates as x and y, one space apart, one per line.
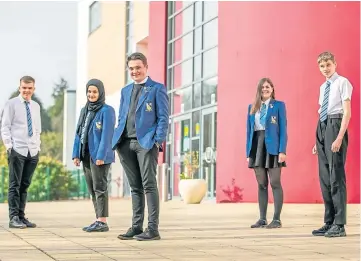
181 146
195 159
183 73
182 100
198 40
184 21
197 95
209 91
210 62
196 121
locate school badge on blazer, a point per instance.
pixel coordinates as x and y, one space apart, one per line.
274 119
98 125
148 106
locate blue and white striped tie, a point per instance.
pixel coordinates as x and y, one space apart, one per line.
262 117
28 116
324 107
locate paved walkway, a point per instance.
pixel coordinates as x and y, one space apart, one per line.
206 232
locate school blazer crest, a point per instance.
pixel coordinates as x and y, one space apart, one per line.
275 130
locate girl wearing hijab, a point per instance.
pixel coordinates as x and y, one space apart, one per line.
92 146
266 148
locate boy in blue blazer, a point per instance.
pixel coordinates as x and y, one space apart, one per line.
142 128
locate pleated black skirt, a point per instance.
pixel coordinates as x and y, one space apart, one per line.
259 156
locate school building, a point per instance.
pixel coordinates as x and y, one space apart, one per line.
211 55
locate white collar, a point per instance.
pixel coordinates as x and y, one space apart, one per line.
144 81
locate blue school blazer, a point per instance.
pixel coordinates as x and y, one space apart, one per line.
151 115
275 131
100 135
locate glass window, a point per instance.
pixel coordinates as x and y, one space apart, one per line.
210 10
184 21
210 62
182 100
183 74
210 31
195 158
94 16
197 95
198 40
183 48
198 13
197 69
209 91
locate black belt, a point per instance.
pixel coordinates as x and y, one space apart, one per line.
335 116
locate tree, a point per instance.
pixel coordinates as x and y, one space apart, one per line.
45 119
56 111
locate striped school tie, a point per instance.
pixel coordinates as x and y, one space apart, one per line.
84 129
262 117
28 116
326 95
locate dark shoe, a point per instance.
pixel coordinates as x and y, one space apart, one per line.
148 235
85 228
130 234
15 222
98 227
274 224
336 231
321 231
260 223
27 222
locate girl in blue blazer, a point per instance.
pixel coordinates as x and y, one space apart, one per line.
92 146
266 148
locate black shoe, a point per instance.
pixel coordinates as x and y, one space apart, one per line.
321 231
98 227
260 223
130 234
148 235
336 231
274 224
27 222
15 222
85 228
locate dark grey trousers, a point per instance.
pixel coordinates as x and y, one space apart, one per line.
97 182
332 170
21 170
140 166
262 180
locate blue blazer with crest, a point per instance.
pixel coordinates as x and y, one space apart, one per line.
151 115
275 131
100 134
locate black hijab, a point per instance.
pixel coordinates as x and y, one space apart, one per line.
91 107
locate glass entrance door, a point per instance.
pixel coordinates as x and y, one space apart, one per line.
209 149
181 129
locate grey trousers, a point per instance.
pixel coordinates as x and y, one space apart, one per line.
140 166
332 170
97 182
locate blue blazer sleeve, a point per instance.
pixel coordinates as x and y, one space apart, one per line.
162 110
248 128
120 105
76 144
108 123
282 116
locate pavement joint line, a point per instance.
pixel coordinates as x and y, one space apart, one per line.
39 249
79 244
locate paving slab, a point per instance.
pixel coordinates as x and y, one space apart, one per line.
207 231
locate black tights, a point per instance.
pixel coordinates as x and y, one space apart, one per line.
262 179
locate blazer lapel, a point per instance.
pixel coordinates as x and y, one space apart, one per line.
145 91
269 110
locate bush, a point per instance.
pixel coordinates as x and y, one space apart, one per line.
51 180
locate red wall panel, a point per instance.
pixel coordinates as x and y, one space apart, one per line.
282 40
157 44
